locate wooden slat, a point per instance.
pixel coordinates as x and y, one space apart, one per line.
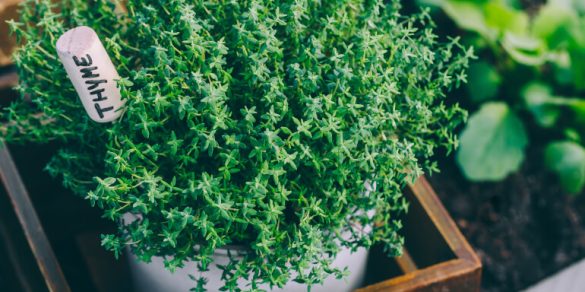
30 223
444 223
460 274
13 259
429 279
5 4
405 262
8 80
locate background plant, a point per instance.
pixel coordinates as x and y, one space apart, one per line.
528 85
248 122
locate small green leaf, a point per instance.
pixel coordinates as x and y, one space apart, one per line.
124 82
546 107
536 97
112 243
492 144
484 81
524 49
567 159
572 135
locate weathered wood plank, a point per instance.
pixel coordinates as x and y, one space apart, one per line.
11 251
8 80
406 263
27 216
460 274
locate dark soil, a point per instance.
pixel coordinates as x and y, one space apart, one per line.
524 228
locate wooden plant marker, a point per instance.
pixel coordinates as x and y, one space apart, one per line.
92 73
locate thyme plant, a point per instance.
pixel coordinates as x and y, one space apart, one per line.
253 123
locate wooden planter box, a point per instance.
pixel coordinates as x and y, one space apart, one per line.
437 257
51 237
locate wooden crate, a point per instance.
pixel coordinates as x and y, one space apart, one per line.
63 245
436 257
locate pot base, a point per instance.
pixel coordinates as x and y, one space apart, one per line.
153 277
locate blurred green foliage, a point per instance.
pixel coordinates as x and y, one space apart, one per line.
532 63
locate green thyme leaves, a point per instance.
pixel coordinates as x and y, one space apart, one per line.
250 123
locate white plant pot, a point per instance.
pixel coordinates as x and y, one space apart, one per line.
153 277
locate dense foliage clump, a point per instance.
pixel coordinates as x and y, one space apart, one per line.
255 123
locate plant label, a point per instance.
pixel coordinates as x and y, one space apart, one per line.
92 73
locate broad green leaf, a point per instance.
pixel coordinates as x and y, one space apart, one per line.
514 3
577 5
563 74
578 67
524 49
546 107
567 160
577 54
537 98
577 35
469 16
484 81
492 144
502 17
554 23
577 105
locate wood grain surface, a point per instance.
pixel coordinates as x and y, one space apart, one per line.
30 223
462 273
